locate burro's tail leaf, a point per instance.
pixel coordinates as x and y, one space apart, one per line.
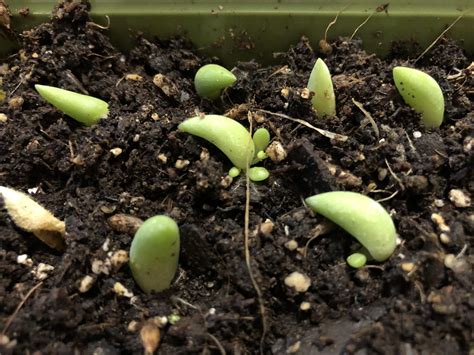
228 135
83 108
363 218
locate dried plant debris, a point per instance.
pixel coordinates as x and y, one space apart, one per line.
34 218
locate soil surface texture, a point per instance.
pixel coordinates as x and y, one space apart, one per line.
136 164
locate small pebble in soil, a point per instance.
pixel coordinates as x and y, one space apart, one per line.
118 259
457 264
293 349
4 340
105 246
42 271
408 266
298 281
226 181
459 198
116 151
305 93
468 144
3 117
100 267
24 260
204 155
86 284
276 152
441 224
121 290
444 238
108 209
291 244
266 228
162 158
133 77
181 164
33 190
305 306
165 84
133 326
161 321
417 134
15 102
439 203
382 174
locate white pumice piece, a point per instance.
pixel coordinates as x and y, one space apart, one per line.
266 228
468 144
116 151
444 238
181 163
86 284
105 246
121 290
100 267
438 203
162 158
276 152
294 348
305 306
118 259
291 245
298 281
42 271
459 198
23 259
133 326
440 223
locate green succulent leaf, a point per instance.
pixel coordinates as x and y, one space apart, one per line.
362 217
324 100
357 260
261 139
228 135
421 92
85 109
258 173
234 172
154 253
211 79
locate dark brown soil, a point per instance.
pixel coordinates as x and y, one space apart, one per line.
410 304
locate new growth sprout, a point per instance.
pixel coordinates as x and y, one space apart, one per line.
233 140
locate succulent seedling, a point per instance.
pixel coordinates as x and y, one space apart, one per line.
261 139
83 108
233 140
421 92
357 260
363 218
211 79
324 100
154 253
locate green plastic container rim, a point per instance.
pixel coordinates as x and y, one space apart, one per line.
244 29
